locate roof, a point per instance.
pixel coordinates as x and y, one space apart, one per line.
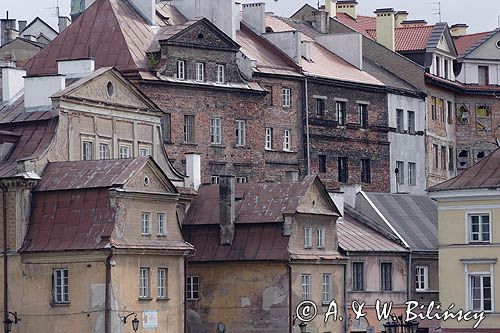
74 175
408 38
467 43
413 217
110 31
483 175
355 236
251 242
38 19
360 23
324 63
387 77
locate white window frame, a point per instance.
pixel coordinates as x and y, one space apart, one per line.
400 179
162 283
268 144
470 290
189 128
181 69
144 278
241 133
192 288
200 72
321 238
242 180
307 237
215 180
412 174
146 223
60 286
286 97
125 150
287 140
469 227
305 283
421 278
144 151
87 155
216 130
104 150
161 221
327 288
221 73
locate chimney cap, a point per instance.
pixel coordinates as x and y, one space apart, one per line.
384 10
459 25
347 2
408 22
253 4
402 12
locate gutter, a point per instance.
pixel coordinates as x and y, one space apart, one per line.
5 267
107 308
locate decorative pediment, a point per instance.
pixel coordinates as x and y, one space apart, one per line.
150 178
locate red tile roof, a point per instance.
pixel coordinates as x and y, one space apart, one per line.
360 23
468 42
482 175
408 38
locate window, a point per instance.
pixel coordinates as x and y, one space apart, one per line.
411 122
443 157
269 96
479 228
181 69
60 285
192 288
216 131
104 151
483 75
200 72
386 276
449 107
446 68
144 282
322 163
287 140
162 283
438 66
480 292
124 151
189 128
286 96
441 110
215 180
241 133
435 148
162 228
412 174
327 288
366 176
363 115
146 223
451 159
342 169
321 238
320 107
269 139
357 276
341 116
421 278
87 150
166 129
307 237
221 74
463 114
242 180
144 151
400 121
400 175
306 287
483 117
433 108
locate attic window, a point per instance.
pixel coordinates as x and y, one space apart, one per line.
269 29
110 89
498 44
200 36
146 181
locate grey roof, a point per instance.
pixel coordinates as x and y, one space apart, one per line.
439 30
414 217
386 77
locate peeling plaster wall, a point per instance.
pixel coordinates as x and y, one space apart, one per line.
246 297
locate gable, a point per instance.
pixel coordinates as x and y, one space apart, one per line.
150 179
317 201
38 27
488 49
443 45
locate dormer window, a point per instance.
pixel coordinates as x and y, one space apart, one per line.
181 69
221 73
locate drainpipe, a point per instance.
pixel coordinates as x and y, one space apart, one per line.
346 302
308 148
5 267
410 270
107 309
290 310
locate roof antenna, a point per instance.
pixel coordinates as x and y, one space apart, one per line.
437 11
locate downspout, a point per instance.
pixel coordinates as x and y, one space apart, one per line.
107 308
290 312
308 148
5 267
346 302
184 296
410 270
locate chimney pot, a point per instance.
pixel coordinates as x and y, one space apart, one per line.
227 185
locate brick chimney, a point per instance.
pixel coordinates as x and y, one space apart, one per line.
331 7
254 15
22 25
321 21
459 29
400 17
227 200
348 7
385 27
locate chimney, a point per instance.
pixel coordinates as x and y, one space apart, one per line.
338 200
6 24
63 23
236 15
193 170
147 9
331 7
38 89
385 27
288 42
459 29
12 83
348 46
306 49
413 23
321 22
227 200
30 37
75 68
348 7
400 17
22 26
11 34
254 15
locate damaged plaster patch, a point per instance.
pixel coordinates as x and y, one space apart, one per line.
272 296
245 301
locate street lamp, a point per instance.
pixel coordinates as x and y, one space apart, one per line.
400 326
8 322
135 321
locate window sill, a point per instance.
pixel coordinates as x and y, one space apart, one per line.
189 143
241 147
162 299
146 235
307 247
217 145
145 299
57 305
161 236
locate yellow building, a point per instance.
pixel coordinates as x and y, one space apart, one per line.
469 245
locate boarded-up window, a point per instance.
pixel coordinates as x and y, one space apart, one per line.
463 159
483 117
463 114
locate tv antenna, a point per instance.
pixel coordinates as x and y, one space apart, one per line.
437 9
